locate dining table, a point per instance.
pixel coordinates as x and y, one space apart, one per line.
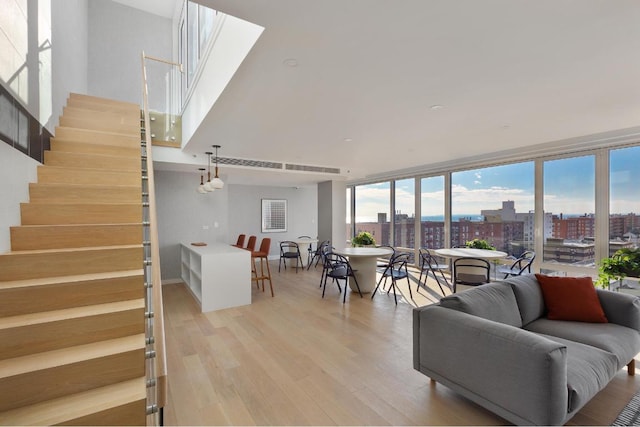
363 261
455 253
303 245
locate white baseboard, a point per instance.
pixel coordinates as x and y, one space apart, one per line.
172 281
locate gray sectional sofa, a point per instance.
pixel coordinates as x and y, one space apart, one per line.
495 346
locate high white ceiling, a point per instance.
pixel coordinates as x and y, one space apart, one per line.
506 73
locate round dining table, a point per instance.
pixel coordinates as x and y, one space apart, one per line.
303 245
363 261
455 253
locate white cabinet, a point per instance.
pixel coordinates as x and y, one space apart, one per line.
218 275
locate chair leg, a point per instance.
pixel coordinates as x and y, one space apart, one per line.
395 290
377 286
266 260
409 285
420 281
357 285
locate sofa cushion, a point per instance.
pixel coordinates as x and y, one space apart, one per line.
529 297
493 301
623 342
571 298
589 370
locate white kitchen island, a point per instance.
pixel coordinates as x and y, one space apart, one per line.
218 275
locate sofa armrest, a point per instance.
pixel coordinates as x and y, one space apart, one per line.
620 308
516 373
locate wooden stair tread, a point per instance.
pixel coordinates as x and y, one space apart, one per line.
67 408
46 281
73 186
69 355
102 132
91 155
83 249
100 100
69 313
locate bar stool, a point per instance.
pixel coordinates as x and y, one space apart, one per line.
251 244
263 255
240 241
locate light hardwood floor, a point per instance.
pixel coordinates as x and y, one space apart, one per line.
298 359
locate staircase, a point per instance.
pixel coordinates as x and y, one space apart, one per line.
72 295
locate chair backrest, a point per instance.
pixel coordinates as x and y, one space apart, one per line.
426 258
337 265
399 261
304 237
265 246
240 241
289 247
391 255
321 246
251 245
524 262
471 271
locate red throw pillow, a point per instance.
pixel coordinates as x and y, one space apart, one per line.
571 298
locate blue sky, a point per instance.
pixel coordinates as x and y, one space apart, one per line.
569 188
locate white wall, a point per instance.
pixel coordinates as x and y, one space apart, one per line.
16 171
117 36
183 213
69 33
245 204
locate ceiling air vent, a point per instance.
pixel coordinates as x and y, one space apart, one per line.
306 168
249 163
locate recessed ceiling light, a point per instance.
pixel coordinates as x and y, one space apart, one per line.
436 107
348 140
290 62
505 127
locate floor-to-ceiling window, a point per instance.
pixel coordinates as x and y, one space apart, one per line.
349 230
569 197
494 204
373 211
624 198
404 217
432 212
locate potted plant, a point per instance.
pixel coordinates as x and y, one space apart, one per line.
479 244
623 263
364 238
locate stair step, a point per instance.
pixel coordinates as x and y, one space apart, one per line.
93 161
84 114
84 193
58 293
81 408
33 237
83 147
81 213
97 137
106 125
23 265
78 175
39 377
101 104
53 330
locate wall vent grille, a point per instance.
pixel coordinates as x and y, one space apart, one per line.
249 163
306 168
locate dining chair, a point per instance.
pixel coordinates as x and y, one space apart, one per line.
338 268
428 263
397 269
317 254
326 249
469 272
289 250
240 241
519 266
383 261
263 255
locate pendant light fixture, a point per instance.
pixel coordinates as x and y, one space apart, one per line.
216 182
201 186
207 186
